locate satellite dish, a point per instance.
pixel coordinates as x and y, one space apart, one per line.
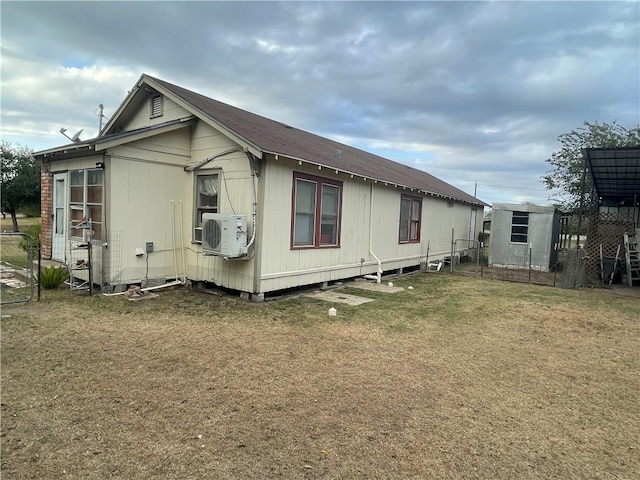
76 137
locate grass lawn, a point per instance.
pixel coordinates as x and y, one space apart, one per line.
10 251
460 377
7 226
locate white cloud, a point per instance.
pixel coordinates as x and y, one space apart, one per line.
37 101
469 91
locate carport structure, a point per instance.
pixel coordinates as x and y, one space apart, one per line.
615 174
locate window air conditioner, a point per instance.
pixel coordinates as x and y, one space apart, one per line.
224 235
197 234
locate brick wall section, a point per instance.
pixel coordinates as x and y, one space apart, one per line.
46 211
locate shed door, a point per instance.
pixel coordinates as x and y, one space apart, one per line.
59 217
472 227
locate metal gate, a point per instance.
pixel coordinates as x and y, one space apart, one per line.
17 282
464 251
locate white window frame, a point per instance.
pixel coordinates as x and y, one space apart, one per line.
200 209
83 207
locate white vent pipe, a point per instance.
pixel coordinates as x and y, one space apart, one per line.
378 276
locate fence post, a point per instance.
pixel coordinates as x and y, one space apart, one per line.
426 262
39 267
530 248
453 247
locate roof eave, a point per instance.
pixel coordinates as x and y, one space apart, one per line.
123 106
414 189
110 141
73 149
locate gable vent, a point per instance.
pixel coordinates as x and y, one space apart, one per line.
156 105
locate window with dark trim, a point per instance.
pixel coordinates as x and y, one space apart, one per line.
410 216
520 227
157 104
316 212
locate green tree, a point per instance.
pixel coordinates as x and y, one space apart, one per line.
568 161
20 181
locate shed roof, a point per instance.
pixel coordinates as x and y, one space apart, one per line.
523 207
615 171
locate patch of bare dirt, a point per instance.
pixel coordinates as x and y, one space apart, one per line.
340 297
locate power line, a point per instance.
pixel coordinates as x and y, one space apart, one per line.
505 187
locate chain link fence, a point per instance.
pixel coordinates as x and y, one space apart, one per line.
563 268
17 279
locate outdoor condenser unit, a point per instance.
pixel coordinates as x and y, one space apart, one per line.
224 235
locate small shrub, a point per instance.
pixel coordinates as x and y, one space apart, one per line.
53 277
34 232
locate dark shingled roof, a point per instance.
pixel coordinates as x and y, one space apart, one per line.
274 137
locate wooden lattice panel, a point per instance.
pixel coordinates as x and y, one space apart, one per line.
606 229
573 269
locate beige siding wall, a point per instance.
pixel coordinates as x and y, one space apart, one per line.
142 116
234 197
150 198
148 179
282 267
173 148
370 223
442 218
144 205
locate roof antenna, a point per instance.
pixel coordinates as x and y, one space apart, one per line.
100 115
75 138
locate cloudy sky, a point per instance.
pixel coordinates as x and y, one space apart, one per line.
475 93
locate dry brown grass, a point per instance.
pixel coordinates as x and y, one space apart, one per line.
459 378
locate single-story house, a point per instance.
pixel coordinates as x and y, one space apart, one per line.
180 187
524 236
615 174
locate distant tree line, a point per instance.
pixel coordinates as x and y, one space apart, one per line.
20 188
21 174
568 161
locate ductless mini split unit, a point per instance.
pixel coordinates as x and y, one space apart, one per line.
224 235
